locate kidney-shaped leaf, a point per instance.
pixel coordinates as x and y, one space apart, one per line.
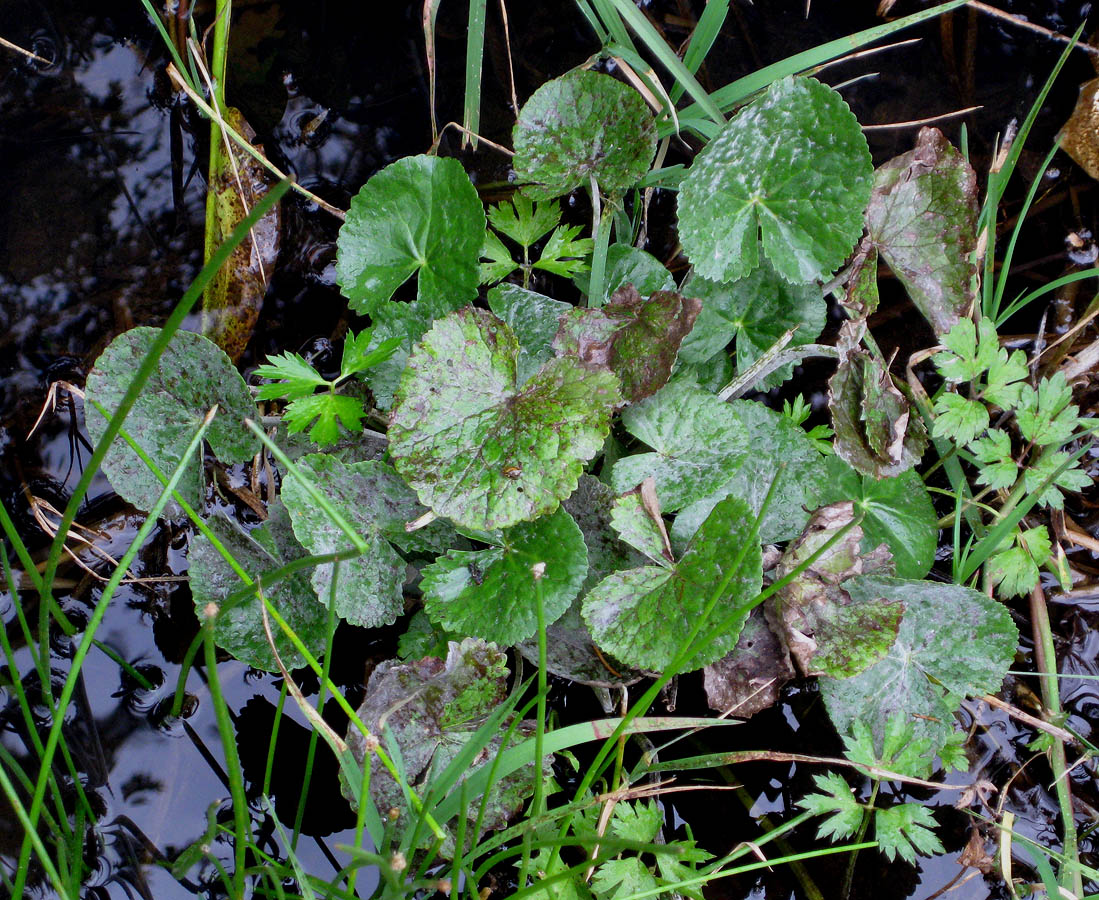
192 376
644 615
478 446
579 125
793 165
419 214
239 629
698 443
757 310
373 500
490 593
923 219
953 642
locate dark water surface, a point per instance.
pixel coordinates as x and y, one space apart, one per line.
101 229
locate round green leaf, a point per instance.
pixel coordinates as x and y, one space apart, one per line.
478 446
793 166
374 501
239 629
579 125
897 512
757 310
643 616
192 376
952 642
490 593
419 214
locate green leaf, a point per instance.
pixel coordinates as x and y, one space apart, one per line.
628 265
622 878
953 642
837 801
635 338
362 352
421 639
564 253
896 511
876 433
534 318
1072 478
371 497
328 409
239 629
769 173
922 218
638 821
500 264
673 871
861 297
779 452
297 378
958 418
480 447
636 527
490 593
522 221
902 752
1006 375
698 443
998 468
829 631
757 310
191 377
579 125
965 356
1047 416
1015 570
643 616
419 214
905 830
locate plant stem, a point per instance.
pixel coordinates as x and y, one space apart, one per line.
1045 657
538 801
601 231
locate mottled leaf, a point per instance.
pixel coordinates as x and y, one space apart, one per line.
751 677
779 452
478 446
373 500
490 593
534 318
827 630
1079 135
239 629
191 377
896 511
232 302
628 265
579 125
860 298
698 443
644 615
875 431
757 310
419 214
637 527
769 174
953 642
922 218
635 338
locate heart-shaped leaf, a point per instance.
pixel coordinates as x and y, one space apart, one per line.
922 218
771 172
373 500
757 310
644 615
192 376
698 443
418 214
953 642
490 593
482 448
579 125
239 629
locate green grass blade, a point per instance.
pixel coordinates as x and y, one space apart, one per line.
475 54
612 21
736 92
702 39
664 54
1044 289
